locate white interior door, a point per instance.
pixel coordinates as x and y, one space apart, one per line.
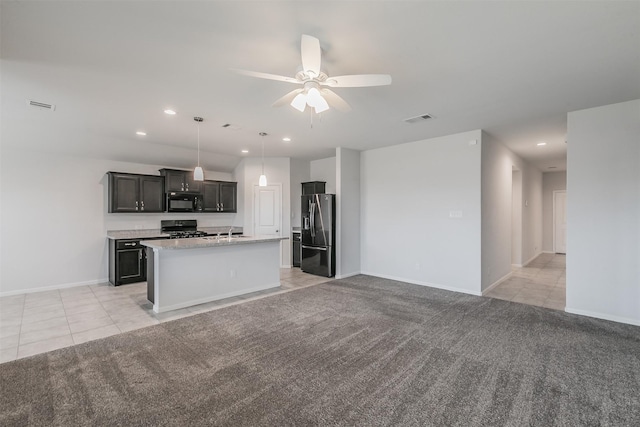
267 204
560 222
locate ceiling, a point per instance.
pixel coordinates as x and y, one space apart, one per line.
513 69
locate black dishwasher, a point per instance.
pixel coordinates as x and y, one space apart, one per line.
127 261
297 248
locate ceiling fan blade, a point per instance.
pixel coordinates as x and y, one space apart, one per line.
359 80
265 76
287 98
335 101
311 55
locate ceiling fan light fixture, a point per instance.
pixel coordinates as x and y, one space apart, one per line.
313 97
299 102
321 105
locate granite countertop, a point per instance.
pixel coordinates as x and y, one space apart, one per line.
208 242
156 233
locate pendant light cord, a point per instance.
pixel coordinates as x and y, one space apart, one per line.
198 143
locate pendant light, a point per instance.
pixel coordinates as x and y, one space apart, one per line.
198 174
262 182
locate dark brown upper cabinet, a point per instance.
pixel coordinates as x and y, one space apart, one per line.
135 193
219 196
180 181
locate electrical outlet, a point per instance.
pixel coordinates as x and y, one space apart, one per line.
232 273
455 214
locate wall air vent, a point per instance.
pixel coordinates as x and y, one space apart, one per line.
420 118
33 103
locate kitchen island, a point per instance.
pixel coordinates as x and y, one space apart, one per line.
187 272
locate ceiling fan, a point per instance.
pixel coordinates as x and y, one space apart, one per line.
315 83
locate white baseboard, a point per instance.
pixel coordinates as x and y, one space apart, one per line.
531 259
548 252
344 276
516 265
496 283
421 283
197 301
603 316
54 287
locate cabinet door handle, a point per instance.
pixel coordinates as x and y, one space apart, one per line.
221 206
187 185
140 254
130 244
142 203
136 205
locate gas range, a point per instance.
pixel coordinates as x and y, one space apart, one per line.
181 229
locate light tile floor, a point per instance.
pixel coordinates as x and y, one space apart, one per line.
44 321
542 282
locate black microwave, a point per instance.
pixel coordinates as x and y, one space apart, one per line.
184 202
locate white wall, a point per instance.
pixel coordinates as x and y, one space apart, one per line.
551 181
531 213
347 212
277 170
54 218
300 172
407 193
497 211
516 218
324 170
603 212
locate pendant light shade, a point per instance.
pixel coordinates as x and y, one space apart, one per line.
198 173
262 182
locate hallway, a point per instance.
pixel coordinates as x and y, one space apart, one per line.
542 283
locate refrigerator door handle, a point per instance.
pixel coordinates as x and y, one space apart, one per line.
315 248
312 212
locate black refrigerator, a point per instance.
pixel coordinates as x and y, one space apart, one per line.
318 234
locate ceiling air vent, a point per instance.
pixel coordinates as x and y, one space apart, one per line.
41 105
419 118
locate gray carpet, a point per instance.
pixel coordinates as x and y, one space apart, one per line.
357 351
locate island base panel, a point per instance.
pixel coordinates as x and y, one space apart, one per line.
187 277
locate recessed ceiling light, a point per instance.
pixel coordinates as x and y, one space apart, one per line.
286 139
541 143
170 112
141 133
245 151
